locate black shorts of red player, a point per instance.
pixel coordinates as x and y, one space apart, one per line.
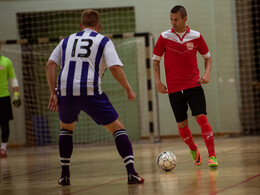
193 98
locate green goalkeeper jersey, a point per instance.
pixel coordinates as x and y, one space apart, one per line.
6 72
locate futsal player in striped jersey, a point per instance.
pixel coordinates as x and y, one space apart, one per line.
179 46
83 58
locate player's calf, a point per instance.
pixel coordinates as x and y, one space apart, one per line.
65 149
207 134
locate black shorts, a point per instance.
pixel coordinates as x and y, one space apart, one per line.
5 109
193 97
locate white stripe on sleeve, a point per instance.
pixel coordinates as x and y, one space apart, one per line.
207 55
155 57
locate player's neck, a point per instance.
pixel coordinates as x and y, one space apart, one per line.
95 28
181 31
91 28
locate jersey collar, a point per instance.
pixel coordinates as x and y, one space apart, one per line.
181 38
89 30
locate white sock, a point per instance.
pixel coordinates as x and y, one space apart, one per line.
3 146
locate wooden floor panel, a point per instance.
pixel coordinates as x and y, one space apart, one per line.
100 170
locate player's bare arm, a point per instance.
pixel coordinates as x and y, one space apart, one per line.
15 89
119 75
206 76
156 71
51 77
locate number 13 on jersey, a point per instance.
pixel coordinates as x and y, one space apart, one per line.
83 47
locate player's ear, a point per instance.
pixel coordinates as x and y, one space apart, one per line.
81 27
99 26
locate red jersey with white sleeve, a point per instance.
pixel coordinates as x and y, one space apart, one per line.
180 59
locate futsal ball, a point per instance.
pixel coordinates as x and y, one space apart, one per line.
166 161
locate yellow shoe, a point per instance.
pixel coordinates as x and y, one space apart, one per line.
213 162
196 156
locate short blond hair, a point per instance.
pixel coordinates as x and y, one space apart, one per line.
90 18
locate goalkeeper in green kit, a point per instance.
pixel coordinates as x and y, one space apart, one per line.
6 114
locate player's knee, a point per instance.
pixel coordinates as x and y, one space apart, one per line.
114 126
202 120
67 126
183 124
118 123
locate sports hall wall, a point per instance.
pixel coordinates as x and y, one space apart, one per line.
215 19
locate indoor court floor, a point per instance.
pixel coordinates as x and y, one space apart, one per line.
98 169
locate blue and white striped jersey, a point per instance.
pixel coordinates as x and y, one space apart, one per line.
83 58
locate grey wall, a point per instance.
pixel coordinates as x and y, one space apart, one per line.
215 19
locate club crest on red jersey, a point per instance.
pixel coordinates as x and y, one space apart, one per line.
190 45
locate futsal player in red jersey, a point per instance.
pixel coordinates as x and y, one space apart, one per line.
179 46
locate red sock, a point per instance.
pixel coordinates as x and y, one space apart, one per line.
207 134
187 137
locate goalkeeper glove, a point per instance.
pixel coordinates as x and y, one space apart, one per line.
17 100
